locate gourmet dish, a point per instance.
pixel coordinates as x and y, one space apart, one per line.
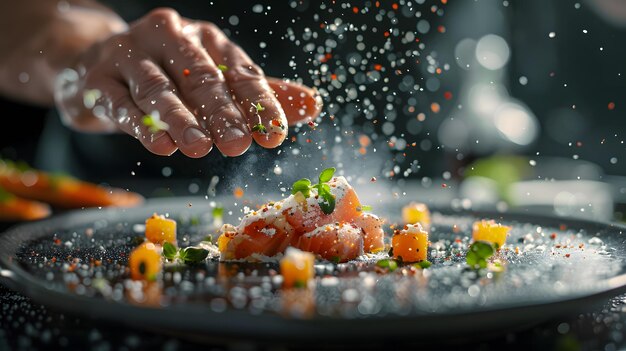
323 221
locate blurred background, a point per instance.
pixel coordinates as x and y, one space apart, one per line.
485 104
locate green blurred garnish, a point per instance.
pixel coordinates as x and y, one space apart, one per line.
222 68
502 170
478 254
154 123
391 265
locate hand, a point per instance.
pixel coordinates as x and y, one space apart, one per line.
199 88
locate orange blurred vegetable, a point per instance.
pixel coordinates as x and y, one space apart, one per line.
490 231
61 190
145 262
160 229
297 268
13 208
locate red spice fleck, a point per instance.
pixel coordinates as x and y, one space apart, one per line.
447 95
276 123
567 255
394 6
378 67
373 179
238 193
562 227
355 9
377 3
435 107
386 34
444 185
579 143
553 236
333 76
308 140
186 72
611 106
441 29
57 241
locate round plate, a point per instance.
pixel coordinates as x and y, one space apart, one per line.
77 262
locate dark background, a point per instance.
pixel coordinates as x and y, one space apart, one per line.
574 120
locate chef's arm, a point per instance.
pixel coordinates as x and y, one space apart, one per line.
41 37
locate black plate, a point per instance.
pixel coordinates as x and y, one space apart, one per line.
580 265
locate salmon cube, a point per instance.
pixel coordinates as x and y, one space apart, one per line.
334 242
410 244
305 215
373 234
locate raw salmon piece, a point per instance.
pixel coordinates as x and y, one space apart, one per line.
334 242
373 234
305 216
263 236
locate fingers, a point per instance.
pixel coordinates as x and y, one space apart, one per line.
247 82
300 103
123 111
154 94
199 80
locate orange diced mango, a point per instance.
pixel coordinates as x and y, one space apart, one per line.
297 268
160 229
490 231
145 262
416 212
410 244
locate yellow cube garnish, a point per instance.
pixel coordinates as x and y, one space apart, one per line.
145 262
297 268
410 244
489 230
416 212
160 229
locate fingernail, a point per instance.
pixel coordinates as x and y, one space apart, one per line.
193 135
232 134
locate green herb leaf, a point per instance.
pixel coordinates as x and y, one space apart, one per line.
326 201
208 238
423 264
222 68
478 254
218 212
327 174
194 254
259 128
300 284
392 265
303 185
169 251
259 107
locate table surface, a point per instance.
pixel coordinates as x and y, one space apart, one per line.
27 325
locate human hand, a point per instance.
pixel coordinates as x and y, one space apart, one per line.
199 88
